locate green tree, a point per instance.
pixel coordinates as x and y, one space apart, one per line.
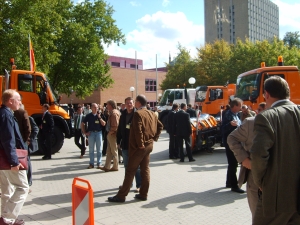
292 39
179 70
213 63
68 40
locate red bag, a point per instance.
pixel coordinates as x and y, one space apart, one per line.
22 156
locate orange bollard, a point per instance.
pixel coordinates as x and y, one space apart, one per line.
82 203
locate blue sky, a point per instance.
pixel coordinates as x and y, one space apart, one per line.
155 27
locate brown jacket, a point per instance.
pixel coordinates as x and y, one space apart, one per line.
24 123
113 120
145 128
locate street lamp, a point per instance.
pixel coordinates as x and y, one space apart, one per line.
192 81
132 90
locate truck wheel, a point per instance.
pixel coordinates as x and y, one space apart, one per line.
57 141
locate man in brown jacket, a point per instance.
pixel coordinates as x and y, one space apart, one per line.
145 129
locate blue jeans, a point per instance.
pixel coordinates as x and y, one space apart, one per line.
95 138
138 178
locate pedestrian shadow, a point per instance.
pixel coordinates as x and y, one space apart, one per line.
207 168
210 198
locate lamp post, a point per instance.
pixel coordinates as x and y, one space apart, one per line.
192 81
132 90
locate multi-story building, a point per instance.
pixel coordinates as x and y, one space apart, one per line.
231 19
128 74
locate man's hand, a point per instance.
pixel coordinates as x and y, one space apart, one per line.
17 168
87 134
142 147
234 123
247 163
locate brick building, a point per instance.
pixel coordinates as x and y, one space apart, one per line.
124 74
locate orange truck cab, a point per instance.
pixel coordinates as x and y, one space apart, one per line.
35 90
210 99
250 85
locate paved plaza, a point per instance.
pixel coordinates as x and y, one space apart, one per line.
180 193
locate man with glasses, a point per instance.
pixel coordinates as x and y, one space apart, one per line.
92 126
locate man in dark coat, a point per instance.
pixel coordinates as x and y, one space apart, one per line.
14 184
230 122
47 128
275 156
78 135
191 111
173 143
183 131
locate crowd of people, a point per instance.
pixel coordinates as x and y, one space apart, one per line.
264 142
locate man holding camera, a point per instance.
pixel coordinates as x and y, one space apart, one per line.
93 130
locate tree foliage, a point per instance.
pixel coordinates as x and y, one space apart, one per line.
219 62
179 70
68 40
292 39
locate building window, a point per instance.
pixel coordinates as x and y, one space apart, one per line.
133 66
116 64
150 85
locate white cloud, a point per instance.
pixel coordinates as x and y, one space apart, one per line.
134 3
289 17
160 34
165 3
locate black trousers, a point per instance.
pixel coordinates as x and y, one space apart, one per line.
231 180
173 146
78 136
104 133
187 144
47 143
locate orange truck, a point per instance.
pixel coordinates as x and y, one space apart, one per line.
210 99
35 91
250 85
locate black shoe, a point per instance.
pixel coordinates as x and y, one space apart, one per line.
181 160
139 197
228 185
115 199
192 160
172 157
46 157
237 190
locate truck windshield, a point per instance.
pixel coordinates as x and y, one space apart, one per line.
201 93
164 98
170 95
247 87
50 88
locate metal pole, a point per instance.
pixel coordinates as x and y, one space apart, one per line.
156 81
136 78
